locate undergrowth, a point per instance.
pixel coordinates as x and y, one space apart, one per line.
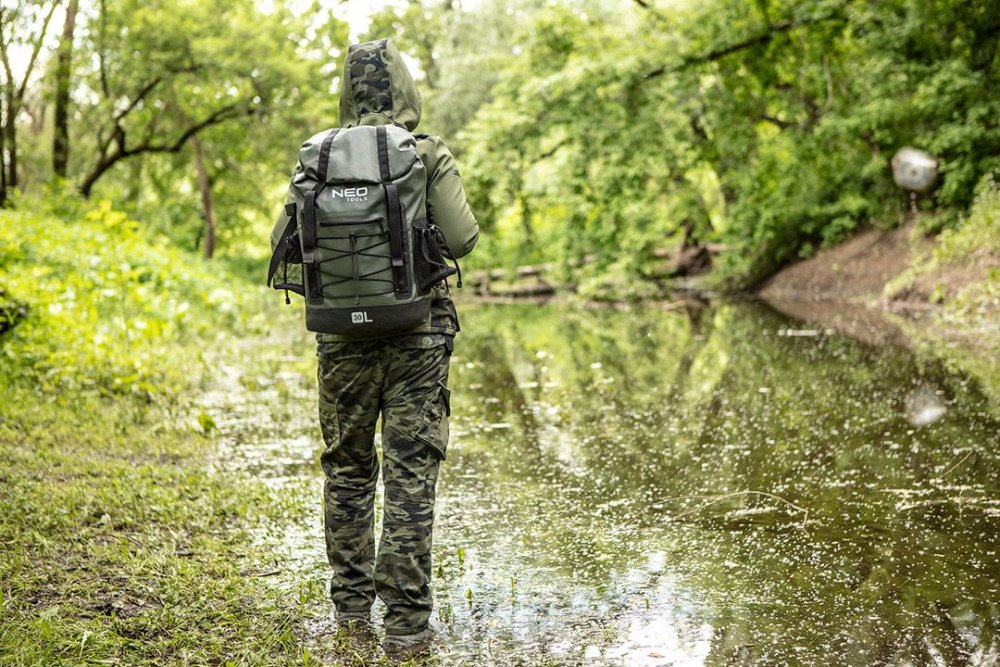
972 247
119 544
96 303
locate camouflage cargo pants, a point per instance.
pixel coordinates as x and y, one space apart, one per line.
404 380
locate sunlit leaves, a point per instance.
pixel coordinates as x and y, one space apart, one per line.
102 299
599 122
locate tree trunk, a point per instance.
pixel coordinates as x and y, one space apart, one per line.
3 157
60 140
206 197
13 93
10 138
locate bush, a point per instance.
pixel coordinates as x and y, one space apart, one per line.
102 304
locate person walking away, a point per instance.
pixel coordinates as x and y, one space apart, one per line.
400 376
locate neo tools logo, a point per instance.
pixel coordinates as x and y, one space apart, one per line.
360 317
351 194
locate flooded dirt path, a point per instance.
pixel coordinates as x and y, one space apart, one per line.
721 486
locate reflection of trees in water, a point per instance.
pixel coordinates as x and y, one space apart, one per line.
495 373
700 326
901 626
928 639
713 405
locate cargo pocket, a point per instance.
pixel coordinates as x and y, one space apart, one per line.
432 427
329 423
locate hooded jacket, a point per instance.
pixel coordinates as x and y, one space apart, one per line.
377 89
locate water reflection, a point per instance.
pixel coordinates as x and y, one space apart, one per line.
596 507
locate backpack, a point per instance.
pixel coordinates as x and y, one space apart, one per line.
358 246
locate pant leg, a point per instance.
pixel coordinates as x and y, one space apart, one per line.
414 437
350 379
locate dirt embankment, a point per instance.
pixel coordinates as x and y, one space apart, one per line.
856 271
844 287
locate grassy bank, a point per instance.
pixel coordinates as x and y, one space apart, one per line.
960 277
961 272
118 545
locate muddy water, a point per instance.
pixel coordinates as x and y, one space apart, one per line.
720 486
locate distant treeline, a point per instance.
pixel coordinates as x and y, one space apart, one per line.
186 112
613 128
583 128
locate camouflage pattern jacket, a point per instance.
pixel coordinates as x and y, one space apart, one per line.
378 90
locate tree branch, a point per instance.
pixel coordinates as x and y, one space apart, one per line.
656 14
36 50
100 51
9 74
755 40
552 151
781 124
122 152
146 89
117 132
220 115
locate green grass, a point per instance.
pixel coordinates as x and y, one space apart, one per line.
964 329
120 543
101 301
973 244
117 543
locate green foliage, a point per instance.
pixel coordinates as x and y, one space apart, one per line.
106 302
251 80
584 128
289 64
964 330
979 233
613 129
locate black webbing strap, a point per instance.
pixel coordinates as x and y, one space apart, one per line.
394 211
282 245
395 237
323 166
382 139
309 228
309 218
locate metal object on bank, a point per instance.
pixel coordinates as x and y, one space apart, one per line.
914 170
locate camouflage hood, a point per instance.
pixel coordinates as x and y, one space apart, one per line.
377 87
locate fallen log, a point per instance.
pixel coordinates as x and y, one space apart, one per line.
687 262
520 291
677 263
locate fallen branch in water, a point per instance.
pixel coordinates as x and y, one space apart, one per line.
713 500
961 461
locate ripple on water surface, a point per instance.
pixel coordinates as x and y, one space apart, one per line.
711 487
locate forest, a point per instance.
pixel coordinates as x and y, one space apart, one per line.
583 128
650 433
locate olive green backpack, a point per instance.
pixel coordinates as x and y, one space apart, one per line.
358 245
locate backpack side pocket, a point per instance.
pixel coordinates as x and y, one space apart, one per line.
284 271
429 264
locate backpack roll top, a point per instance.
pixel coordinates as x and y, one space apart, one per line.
362 193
